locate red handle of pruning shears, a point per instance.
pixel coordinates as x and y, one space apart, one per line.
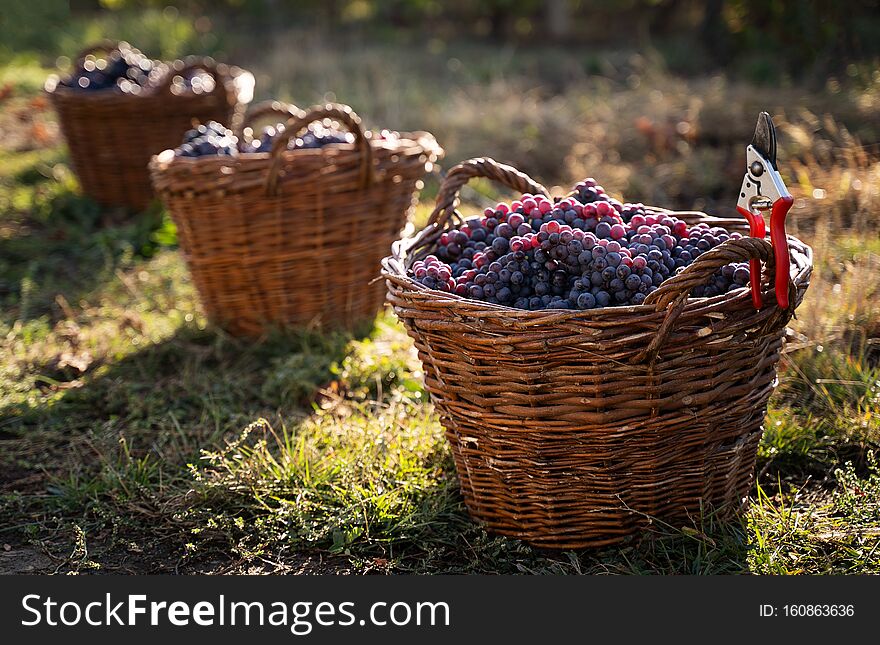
763 188
779 241
757 229
780 248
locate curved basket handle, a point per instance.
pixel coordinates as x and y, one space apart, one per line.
672 296
282 110
447 200
205 64
107 46
338 112
458 176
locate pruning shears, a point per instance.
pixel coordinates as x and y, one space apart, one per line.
763 190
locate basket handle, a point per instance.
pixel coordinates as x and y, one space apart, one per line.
458 176
673 294
285 111
107 46
336 111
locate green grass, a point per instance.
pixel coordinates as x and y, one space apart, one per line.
135 437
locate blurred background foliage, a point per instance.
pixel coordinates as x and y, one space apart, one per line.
764 40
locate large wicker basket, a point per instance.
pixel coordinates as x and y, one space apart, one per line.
112 135
294 237
574 428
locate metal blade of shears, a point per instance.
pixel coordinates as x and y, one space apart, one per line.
764 140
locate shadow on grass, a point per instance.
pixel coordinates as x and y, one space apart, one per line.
64 243
167 400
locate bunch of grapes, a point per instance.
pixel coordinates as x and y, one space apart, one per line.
572 254
126 69
208 139
317 135
728 278
215 139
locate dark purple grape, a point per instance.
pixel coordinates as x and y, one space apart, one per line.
633 282
500 245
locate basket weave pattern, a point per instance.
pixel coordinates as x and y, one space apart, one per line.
294 237
111 135
573 428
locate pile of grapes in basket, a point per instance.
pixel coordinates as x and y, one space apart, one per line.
127 70
582 252
215 139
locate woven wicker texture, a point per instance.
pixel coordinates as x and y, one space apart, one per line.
294 237
572 428
112 135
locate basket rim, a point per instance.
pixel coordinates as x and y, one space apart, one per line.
394 271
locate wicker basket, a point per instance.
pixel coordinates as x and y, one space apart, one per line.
574 428
112 135
294 237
